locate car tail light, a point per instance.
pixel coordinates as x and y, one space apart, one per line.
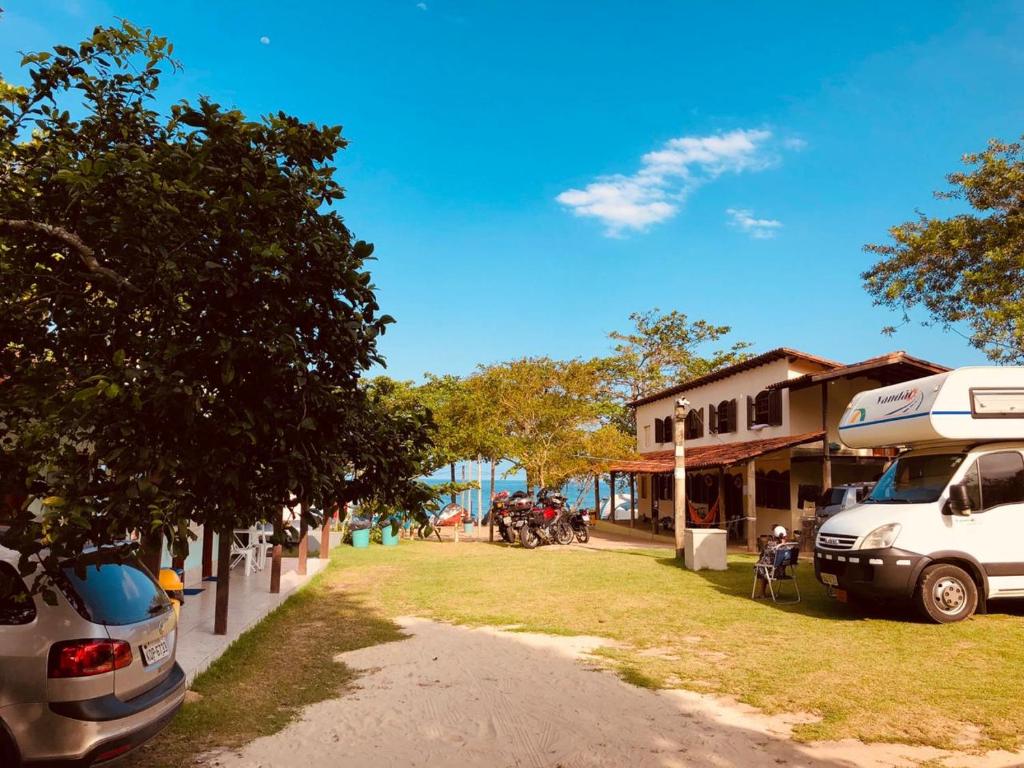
83 658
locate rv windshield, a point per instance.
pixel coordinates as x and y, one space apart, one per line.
916 479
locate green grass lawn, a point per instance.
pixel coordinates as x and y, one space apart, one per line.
885 677
876 678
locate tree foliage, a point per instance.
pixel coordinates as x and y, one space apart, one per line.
185 317
968 269
553 417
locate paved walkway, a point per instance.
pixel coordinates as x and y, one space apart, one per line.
605 536
250 601
455 697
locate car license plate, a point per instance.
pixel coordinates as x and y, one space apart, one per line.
830 578
156 651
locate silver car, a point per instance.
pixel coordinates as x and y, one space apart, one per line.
92 677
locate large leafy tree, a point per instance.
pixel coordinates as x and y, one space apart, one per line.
662 349
185 316
553 417
966 270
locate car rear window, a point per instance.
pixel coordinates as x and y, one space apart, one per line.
832 496
113 593
16 604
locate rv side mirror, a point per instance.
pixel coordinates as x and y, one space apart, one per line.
959 499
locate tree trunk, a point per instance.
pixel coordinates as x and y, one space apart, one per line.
220 617
152 552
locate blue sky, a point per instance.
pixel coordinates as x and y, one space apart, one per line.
533 172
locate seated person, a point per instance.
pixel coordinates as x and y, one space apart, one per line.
779 537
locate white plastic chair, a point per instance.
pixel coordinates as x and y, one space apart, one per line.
243 549
260 539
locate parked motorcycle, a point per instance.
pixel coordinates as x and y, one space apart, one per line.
501 509
520 506
579 521
547 522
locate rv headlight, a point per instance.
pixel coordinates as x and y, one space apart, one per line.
882 537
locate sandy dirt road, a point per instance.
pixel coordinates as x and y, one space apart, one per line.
453 696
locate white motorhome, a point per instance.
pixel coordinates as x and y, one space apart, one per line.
944 526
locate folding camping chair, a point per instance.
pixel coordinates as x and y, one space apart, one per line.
776 568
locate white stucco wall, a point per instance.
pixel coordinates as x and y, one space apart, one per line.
739 386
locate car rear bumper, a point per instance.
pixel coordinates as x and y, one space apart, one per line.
83 733
878 572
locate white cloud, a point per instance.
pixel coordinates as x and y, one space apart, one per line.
421 6
666 176
265 40
758 229
795 143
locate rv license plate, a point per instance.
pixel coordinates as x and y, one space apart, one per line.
830 578
156 651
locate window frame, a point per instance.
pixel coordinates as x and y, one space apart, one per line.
976 467
729 406
19 586
693 429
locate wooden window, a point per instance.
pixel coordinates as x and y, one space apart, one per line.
766 408
695 424
775 407
659 431
771 490
726 416
663 486
712 420
647 435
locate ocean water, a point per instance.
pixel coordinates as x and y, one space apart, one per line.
578 494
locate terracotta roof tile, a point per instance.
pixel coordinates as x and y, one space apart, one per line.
898 366
707 456
722 373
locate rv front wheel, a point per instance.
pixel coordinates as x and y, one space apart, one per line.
947 593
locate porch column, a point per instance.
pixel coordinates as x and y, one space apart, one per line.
722 521
303 540
750 505
679 476
220 614
275 555
325 532
826 451
597 496
208 534
632 499
611 496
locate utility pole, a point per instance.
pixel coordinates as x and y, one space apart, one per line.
679 474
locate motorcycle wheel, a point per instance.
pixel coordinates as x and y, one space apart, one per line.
563 533
528 537
583 534
507 535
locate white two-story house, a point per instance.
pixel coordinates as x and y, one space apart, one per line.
761 440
